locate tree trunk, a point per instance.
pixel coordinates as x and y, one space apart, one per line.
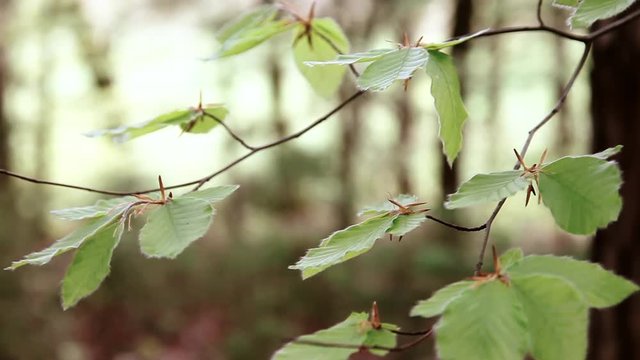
615 105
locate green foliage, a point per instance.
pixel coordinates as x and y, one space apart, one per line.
445 89
586 12
90 265
101 208
355 331
324 42
392 66
536 304
484 188
193 120
386 206
348 59
454 42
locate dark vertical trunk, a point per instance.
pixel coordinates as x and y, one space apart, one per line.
615 105
403 148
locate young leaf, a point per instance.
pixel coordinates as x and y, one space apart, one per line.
69 242
454 42
393 66
582 192
348 59
607 153
589 11
486 188
557 317
173 226
386 206
325 42
405 223
90 265
511 257
250 30
445 89
343 245
101 208
600 288
190 120
485 322
211 195
354 331
439 301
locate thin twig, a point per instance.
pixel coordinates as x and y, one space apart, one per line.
539 13
68 186
400 348
411 333
226 127
457 227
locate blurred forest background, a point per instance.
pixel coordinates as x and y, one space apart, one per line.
71 66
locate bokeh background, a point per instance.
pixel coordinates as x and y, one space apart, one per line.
71 66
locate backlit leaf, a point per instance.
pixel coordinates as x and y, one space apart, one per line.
212 194
347 59
454 42
439 301
386 206
101 208
484 188
589 11
391 67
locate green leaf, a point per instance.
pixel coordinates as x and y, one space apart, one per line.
211 195
406 223
90 265
101 208
69 242
510 257
582 192
172 227
445 89
250 30
599 287
354 331
393 66
605 154
557 317
439 301
348 59
485 322
326 41
589 11
386 206
190 120
343 245
566 3
484 188
454 42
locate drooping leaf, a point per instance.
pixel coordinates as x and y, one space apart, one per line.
69 242
445 89
393 66
557 317
213 194
326 41
511 257
582 192
191 120
250 30
90 265
386 206
454 42
590 11
343 245
484 188
439 301
170 228
354 331
101 208
599 287
348 59
485 322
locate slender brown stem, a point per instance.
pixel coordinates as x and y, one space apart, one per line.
229 131
457 227
400 348
539 13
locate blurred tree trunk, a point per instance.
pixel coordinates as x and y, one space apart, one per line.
615 105
494 81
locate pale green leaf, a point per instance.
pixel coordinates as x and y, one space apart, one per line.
348 59
438 302
90 265
386 206
191 120
607 153
213 194
445 89
406 223
69 242
484 188
566 3
600 288
393 66
354 331
510 257
590 11
250 30
343 245
101 208
582 193
485 322
454 42
326 41
557 317
170 228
